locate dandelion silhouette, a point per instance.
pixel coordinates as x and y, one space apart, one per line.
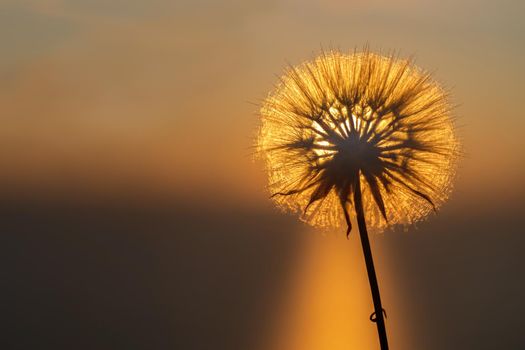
363 131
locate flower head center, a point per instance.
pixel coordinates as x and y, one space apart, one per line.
353 154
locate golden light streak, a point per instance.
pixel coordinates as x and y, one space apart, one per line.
325 305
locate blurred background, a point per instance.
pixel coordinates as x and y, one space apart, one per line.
134 217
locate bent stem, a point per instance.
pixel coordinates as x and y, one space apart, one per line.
378 309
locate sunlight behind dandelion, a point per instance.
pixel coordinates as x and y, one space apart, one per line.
344 119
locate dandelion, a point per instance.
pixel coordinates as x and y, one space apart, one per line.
361 131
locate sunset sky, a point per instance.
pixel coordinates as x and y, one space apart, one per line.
156 92
157 101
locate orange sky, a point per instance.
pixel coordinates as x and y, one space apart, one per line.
158 96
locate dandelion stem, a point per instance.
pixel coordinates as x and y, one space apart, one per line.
377 316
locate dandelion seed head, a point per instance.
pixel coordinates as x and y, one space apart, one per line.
342 120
